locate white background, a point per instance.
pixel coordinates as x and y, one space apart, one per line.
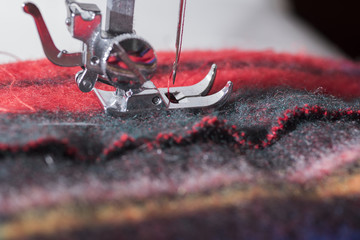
210 24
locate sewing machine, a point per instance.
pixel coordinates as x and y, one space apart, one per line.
120 58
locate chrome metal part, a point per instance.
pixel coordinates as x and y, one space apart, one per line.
56 56
121 59
152 98
128 61
124 60
86 80
179 38
120 16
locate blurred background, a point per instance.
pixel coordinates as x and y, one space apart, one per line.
325 28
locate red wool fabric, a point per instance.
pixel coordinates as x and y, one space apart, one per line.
32 86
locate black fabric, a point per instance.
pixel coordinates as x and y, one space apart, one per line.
76 143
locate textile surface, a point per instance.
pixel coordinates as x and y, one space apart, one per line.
279 161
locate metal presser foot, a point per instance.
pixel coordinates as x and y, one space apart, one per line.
152 98
120 58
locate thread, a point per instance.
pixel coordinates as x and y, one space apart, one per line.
12 93
16 58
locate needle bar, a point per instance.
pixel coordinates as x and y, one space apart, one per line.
120 16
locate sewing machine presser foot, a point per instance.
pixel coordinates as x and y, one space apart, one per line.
149 97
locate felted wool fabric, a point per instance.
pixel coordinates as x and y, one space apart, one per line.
279 161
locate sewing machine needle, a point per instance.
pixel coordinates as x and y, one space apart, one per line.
179 37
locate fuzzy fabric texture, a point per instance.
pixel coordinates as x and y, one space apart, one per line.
279 161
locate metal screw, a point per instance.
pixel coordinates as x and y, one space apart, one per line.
156 100
94 60
68 21
87 84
